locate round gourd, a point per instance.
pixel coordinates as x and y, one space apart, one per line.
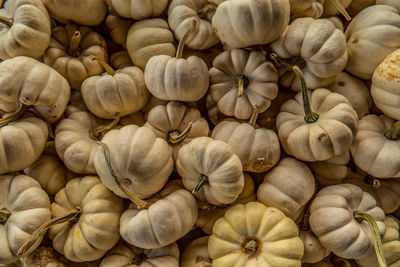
314 251
138 9
25 30
196 254
253 234
306 8
333 222
118 28
211 170
69 51
241 80
24 206
125 255
241 23
372 35
385 85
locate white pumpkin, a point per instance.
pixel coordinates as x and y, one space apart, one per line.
138 9
196 254
314 251
306 8
118 28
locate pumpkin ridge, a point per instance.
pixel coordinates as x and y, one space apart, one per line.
151 225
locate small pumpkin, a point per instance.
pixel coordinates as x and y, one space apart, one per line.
196 254
306 8
120 60
314 251
118 28
138 10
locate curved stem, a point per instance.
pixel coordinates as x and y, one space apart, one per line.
182 42
74 43
377 237
6 21
42 229
104 64
341 9
280 62
393 132
174 137
20 111
4 215
102 128
254 116
202 181
141 204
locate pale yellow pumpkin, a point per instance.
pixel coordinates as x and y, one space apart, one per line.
314 251
120 60
306 8
24 207
118 28
138 9
196 254
255 235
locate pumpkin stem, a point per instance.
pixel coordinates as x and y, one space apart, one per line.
141 204
203 179
74 44
182 42
393 132
251 246
15 116
341 9
242 83
76 212
377 237
102 128
254 116
6 21
4 215
208 11
104 64
175 137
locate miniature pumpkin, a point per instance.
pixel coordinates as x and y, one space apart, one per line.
120 60
366 46
241 23
95 228
196 254
138 10
241 80
211 170
306 8
253 234
25 30
24 206
118 28
313 250
69 51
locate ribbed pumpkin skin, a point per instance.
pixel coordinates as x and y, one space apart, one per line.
138 9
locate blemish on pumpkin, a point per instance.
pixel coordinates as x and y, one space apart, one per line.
355 41
322 138
341 83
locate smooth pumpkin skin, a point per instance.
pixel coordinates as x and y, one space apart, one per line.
125 255
306 8
319 44
278 235
216 160
118 28
97 229
164 222
196 254
258 149
262 86
366 44
331 220
245 23
30 33
372 151
21 143
331 135
83 12
75 68
138 9
314 251
385 85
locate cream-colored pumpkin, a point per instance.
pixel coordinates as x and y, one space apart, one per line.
317 47
306 8
333 222
45 256
385 85
75 103
164 222
376 149
289 186
393 3
357 6
337 21
69 51
255 235
245 23
241 80
24 207
177 124
355 91
138 9
24 80
21 143
120 60
125 255
25 29
314 251
96 229
141 160
211 169
84 12
118 28
372 35
148 38
331 10
196 254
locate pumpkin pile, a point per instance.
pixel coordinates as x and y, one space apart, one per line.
199 133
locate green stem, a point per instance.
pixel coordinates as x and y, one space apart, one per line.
104 64
393 132
182 42
21 111
102 128
202 181
175 137
240 86
341 9
4 215
6 21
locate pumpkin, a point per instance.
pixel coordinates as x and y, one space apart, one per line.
25 30
148 38
241 80
356 6
95 229
393 3
306 8
385 84
314 252
69 51
24 206
253 234
177 124
317 47
152 103
141 160
375 147
138 9
127 255
45 256
120 60
337 22
118 28
211 170
75 104
196 254
84 12
334 220
371 36
251 22
181 13
355 91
